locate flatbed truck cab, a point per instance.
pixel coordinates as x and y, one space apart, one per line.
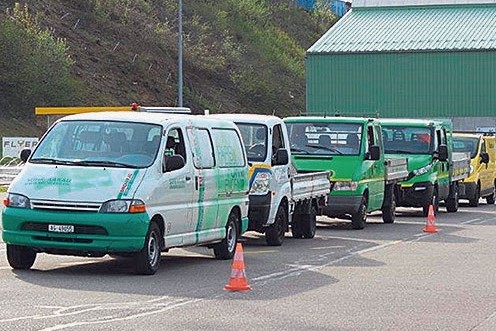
434 169
351 149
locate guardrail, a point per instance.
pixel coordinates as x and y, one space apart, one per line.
9 169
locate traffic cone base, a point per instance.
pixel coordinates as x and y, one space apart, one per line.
430 226
237 281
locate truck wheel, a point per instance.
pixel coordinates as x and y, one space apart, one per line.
226 248
490 199
389 212
20 257
309 224
435 204
147 261
474 202
274 235
359 218
296 230
452 202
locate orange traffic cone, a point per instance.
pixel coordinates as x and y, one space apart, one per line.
430 226
238 281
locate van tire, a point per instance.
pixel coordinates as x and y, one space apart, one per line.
225 249
296 230
435 204
474 202
490 199
20 257
147 261
274 235
359 218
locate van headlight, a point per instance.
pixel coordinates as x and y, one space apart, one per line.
423 170
17 201
123 206
345 186
261 184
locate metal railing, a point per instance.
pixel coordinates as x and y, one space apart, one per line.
9 169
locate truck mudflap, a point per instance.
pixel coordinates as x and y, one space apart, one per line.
417 195
259 211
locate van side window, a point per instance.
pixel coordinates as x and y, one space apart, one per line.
203 153
175 143
228 147
370 136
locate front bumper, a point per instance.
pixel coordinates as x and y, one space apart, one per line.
418 195
342 205
259 211
94 233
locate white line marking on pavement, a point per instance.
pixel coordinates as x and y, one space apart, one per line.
471 221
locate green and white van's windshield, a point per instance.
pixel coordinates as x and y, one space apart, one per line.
466 144
255 140
407 140
99 143
325 138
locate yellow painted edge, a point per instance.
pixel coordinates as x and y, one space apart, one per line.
76 110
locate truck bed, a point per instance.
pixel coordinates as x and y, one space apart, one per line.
460 166
396 169
310 185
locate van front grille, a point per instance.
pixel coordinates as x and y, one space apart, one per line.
65 205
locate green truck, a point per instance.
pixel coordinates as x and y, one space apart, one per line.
435 170
351 148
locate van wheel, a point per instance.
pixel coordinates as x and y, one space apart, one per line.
147 261
359 218
435 204
474 202
490 199
274 235
20 257
389 212
226 248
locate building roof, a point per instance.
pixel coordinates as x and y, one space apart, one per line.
412 28
402 3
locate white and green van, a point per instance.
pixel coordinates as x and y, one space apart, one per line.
129 184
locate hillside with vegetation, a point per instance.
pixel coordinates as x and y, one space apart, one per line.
238 56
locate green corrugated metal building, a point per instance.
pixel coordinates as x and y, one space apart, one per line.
408 58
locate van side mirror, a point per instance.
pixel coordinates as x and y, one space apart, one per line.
25 153
443 153
374 153
172 162
484 157
281 157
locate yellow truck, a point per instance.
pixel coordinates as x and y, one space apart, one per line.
481 180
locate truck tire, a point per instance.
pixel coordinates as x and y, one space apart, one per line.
274 235
309 224
435 204
147 261
296 230
389 212
474 202
226 248
20 257
452 202
359 218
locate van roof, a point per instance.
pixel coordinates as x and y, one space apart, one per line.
248 118
145 117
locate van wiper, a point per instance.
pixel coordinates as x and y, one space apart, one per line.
49 160
103 164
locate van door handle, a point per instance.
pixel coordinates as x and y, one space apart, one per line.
188 178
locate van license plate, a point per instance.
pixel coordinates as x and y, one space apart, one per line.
61 228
